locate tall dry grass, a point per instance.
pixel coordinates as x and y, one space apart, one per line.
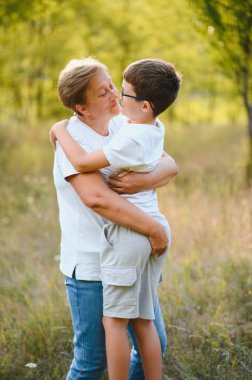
206 293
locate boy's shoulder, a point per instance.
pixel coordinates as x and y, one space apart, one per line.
123 129
144 131
117 122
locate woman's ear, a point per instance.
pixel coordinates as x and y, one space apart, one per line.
81 109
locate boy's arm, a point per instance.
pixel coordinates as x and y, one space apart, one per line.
133 182
79 158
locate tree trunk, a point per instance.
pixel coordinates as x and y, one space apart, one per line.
249 163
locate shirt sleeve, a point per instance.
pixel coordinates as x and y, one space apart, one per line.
64 163
123 152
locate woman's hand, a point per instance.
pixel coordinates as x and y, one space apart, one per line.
52 133
158 240
127 182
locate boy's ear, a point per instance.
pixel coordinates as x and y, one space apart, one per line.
146 106
82 109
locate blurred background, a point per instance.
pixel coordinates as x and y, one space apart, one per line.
206 293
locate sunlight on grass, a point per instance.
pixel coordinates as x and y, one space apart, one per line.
206 293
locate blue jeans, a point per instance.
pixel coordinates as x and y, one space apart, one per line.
85 300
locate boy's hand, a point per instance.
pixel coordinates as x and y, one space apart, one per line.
158 240
52 133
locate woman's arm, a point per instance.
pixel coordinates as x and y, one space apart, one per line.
95 194
133 182
79 158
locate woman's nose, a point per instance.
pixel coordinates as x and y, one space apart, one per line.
120 98
114 92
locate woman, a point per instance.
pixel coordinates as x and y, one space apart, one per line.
86 88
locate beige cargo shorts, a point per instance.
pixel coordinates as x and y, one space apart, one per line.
130 276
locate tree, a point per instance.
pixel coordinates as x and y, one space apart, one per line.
32 34
230 27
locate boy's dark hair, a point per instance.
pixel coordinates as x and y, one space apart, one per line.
154 80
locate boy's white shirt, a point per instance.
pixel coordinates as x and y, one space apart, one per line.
139 148
80 226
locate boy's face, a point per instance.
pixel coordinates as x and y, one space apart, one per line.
131 107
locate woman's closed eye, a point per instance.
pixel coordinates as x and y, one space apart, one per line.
103 94
105 91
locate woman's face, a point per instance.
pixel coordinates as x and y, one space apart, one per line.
102 97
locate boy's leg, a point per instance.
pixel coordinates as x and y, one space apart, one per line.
85 300
117 347
149 347
136 368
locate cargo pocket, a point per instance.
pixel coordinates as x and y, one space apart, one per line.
119 286
104 237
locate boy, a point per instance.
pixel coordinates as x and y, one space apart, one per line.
130 276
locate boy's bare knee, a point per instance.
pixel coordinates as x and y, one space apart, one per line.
140 324
110 322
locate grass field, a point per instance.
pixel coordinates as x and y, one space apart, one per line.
206 293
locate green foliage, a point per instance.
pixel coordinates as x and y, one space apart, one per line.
230 27
15 11
38 38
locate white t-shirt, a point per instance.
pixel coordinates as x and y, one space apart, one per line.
137 147
80 226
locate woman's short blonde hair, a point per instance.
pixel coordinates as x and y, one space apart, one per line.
74 80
